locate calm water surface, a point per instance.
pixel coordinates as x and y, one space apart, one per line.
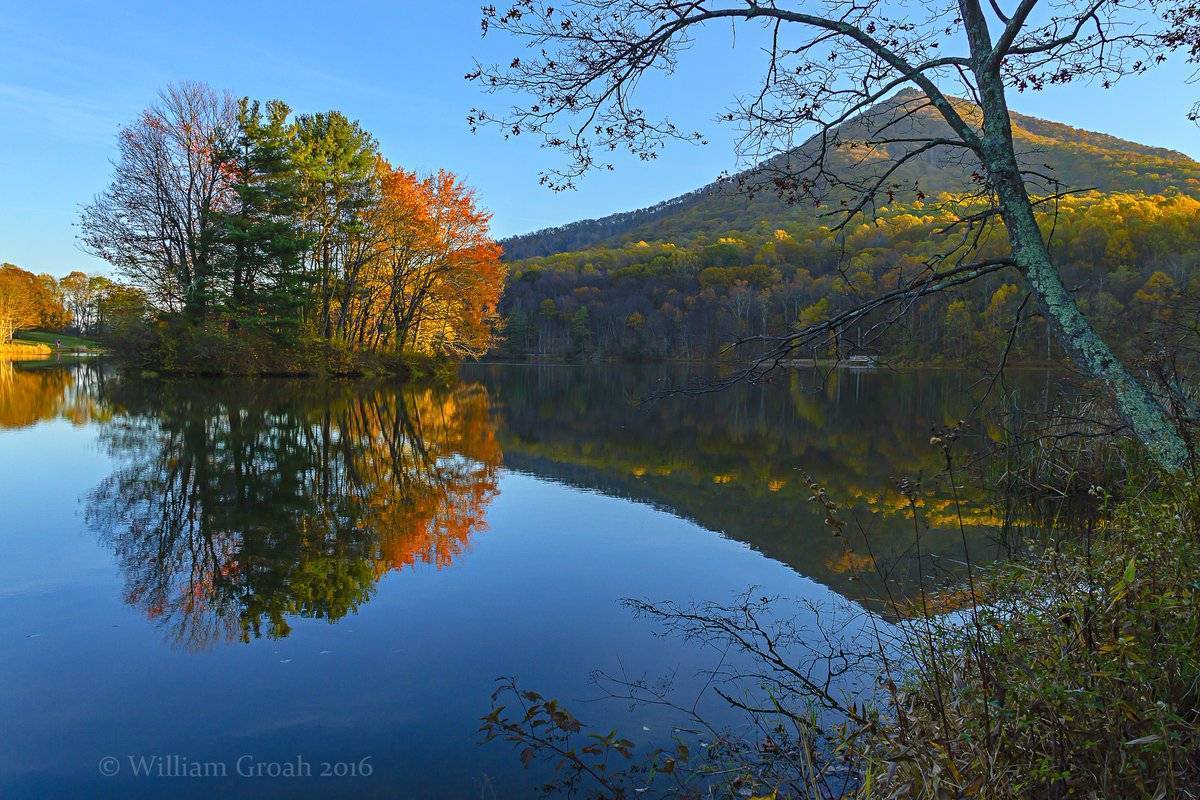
331 572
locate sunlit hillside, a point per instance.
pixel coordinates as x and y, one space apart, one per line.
1077 158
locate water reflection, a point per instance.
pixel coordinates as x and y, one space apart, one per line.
233 507
32 390
734 461
239 505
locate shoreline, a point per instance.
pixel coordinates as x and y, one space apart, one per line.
878 366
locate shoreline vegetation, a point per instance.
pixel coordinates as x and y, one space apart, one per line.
871 363
59 341
21 349
178 346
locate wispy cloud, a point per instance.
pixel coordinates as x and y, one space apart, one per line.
73 117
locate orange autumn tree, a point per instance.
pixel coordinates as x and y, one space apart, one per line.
443 268
298 233
427 275
28 301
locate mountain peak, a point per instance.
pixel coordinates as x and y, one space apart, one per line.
1079 159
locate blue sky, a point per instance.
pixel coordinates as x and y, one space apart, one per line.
70 75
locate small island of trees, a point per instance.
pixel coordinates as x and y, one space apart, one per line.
258 241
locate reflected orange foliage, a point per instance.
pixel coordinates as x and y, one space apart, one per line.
850 561
29 396
249 510
429 514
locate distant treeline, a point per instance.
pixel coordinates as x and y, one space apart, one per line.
1129 256
76 302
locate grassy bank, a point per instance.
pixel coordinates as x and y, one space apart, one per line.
59 341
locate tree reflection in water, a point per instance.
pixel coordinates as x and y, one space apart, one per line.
234 506
735 461
33 390
239 505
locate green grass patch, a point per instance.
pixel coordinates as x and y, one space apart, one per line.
64 341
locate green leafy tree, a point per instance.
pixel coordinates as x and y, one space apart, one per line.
581 331
516 332
335 161
264 243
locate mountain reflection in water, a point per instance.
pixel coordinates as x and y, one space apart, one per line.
735 461
235 505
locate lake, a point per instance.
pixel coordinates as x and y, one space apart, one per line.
275 572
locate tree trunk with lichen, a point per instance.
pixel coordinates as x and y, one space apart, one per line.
1139 408
1143 413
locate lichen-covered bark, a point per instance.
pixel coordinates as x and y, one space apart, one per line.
1145 416
1139 408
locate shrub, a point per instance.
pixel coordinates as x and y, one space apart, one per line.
176 344
1080 676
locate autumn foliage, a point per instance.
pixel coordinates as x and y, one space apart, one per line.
349 482
303 241
434 278
28 301
1129 256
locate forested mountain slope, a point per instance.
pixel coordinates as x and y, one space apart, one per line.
688 278
1077 158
